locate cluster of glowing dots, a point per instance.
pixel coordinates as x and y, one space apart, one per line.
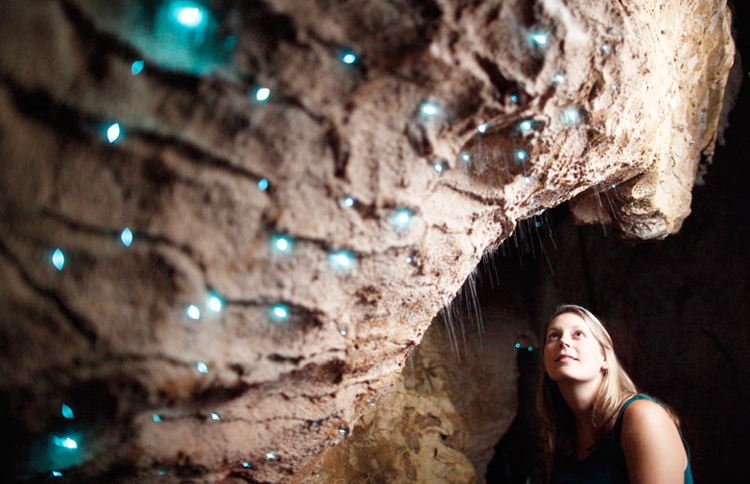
113 132
348 58
529 348
262 94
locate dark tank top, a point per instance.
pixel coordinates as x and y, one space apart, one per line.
606 464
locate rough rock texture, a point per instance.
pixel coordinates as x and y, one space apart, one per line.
454 400
246 394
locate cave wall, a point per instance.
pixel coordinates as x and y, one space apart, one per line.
220 239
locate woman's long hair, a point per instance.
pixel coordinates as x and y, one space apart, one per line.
616 388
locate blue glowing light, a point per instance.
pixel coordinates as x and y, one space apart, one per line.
188 14
518 345
530 348
521 155
137 67
558 79
571 115
342 260
605 48
429 109
282 243
438 167
215 303
514 98
56 474
245 464
67 412
215 416
538 224
58 259
161 473
348 202
409 260
402 219
343 332
193 312
202 367
270 456
539 38
348 58
465 156
263 184
482 127
526 126
113 132
127 237
156 418
315 424
66 443
262 94
280 312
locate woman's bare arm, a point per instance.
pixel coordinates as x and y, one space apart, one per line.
654 452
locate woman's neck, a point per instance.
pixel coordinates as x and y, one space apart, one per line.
580 396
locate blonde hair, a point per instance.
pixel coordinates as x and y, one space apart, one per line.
616 388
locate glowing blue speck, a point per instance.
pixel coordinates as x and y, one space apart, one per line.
215 416
438 167
482 127
429 109
214 303
539 224
188 14
558 79
409 260
127 237
614 185
402 218
348 202
161 473
605 48
315 424
514 98
202 367
282 244
349 58
193 312
113 132
58 259
66 443
262 94
466 156
539 38
518 345
342 260
137 67
67 412
526 126
521 155
56 474
571 115
245 464
156 418
263 184
530 348
343 332
280 311
270 456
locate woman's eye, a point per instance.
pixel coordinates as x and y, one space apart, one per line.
552 336
580 333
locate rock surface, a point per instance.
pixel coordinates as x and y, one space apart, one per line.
209 177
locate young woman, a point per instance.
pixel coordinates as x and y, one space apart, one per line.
596 427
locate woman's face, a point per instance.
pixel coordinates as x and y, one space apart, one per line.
571 352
